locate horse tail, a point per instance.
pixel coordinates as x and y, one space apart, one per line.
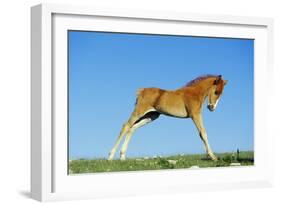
139 91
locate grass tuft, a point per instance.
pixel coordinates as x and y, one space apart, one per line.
172 162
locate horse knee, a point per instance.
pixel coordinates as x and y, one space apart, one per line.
203 135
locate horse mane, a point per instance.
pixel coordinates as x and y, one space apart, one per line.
198 79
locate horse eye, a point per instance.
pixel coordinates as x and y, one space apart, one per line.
216 93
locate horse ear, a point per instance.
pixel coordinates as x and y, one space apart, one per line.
225 82
217 80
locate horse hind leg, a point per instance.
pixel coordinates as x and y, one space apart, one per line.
123 131
147 118
126 127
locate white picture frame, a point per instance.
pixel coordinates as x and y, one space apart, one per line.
49 177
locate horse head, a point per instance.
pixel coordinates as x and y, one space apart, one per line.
215 92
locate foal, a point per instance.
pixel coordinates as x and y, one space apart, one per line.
185 102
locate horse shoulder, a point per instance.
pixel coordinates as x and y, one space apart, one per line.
193 100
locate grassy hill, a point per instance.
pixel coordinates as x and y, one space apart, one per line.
171 162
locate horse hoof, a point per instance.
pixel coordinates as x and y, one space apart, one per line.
110 157
215 159
122 157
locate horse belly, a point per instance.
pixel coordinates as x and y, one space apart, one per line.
172 105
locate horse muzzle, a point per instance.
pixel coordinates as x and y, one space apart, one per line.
211 107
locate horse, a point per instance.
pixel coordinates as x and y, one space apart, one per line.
185 102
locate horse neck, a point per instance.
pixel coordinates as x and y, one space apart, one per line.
203 87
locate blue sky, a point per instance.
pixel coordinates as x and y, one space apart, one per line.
106 69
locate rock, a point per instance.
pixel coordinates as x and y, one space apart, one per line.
173 162
194 167
235 164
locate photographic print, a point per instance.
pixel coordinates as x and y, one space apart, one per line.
147 102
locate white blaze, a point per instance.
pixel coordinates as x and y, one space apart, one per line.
215 105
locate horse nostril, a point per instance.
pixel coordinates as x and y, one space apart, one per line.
210 107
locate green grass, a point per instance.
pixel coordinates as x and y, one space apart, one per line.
180 161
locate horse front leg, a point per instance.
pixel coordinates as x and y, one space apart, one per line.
197 119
